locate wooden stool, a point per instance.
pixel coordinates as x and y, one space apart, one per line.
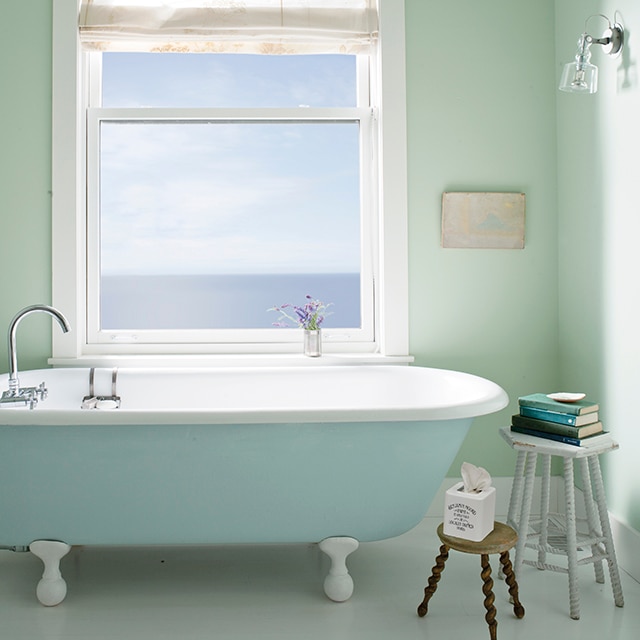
558 533
500 540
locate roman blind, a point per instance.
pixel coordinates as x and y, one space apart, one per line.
229 26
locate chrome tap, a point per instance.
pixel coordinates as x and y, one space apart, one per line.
26 395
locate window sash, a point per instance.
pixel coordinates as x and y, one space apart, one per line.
208 339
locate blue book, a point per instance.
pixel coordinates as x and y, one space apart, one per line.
543 401
560 418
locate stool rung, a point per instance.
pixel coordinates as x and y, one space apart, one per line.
558 544
545 566
556 523
552 567
596 557
548 548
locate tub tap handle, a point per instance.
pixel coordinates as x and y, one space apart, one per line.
89 402
42 391
94 401
92 377
114 382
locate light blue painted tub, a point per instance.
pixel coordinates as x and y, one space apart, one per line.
236 455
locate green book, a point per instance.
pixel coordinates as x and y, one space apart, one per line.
542 401
555 427
556 416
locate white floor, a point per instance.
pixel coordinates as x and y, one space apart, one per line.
275 592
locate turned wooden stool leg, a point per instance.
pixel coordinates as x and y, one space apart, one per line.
513 515
489 598
437 570
525 509
510 579
601 503
545 494
592 519
498 541
572 539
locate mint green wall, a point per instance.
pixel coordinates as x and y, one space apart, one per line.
25 174
481 117
598 161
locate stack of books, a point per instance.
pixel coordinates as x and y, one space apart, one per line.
574 422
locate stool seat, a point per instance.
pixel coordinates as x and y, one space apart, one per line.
554 533
499 541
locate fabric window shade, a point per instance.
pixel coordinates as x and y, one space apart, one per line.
229 26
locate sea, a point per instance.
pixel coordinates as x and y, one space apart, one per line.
238 301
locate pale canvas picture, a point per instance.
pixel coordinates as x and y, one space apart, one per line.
483 220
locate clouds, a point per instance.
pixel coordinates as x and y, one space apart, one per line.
228 80
229 197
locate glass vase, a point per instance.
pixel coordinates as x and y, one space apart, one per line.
312 343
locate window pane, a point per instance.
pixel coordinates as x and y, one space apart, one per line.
208 224
227 80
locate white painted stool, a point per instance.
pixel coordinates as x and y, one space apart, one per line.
559 533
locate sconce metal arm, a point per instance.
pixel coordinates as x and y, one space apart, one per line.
615 37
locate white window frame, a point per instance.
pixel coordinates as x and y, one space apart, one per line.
70 200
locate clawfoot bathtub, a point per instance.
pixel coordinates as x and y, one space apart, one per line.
332 454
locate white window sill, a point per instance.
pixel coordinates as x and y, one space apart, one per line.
235 360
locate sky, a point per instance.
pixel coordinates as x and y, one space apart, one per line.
229 197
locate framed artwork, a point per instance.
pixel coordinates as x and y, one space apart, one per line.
483 220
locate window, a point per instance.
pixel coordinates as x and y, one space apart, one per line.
215 186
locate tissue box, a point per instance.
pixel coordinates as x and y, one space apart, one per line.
469 515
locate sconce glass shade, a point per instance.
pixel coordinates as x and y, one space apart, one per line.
579 78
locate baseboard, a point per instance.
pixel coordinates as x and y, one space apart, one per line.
625 538
627 543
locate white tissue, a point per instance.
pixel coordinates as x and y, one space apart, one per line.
474 479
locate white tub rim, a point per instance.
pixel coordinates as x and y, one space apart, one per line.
493 400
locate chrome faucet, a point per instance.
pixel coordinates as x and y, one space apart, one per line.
26 395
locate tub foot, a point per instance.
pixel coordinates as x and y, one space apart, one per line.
52 588
338 585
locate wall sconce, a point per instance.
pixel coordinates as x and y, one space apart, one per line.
581 76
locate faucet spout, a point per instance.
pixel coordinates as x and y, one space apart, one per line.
14 384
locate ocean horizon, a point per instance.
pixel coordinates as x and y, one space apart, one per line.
238 301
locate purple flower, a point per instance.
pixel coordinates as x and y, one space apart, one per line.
310 316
